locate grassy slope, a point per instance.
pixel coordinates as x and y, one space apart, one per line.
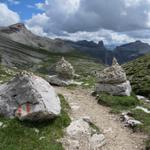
138 72
83 64
6 73
23 136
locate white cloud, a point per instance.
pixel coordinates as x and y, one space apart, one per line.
148 22
39 6
84 15
38 20
108 36
92 20
15 2
37 30
7 16
38 23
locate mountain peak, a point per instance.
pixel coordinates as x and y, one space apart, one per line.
138 41
101 44
18 26
13 28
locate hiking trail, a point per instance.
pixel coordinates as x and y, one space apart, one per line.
117 136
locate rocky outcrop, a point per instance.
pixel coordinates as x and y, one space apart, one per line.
80 136
63 73
29 97
113 80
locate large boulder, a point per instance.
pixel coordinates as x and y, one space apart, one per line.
113 80
29 97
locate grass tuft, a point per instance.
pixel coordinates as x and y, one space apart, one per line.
118 103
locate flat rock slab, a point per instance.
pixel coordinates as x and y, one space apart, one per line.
123 89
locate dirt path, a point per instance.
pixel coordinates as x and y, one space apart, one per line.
118 137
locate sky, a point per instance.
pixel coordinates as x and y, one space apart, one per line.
113 21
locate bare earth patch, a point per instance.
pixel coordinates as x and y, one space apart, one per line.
117 136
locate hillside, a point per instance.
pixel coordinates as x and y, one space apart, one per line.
131 51
20 34
138 72
14 54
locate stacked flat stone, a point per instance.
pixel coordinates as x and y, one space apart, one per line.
63 73
64 69
113 80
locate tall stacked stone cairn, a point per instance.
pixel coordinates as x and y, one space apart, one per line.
113 80
29 97
63 73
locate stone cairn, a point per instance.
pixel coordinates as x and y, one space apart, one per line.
63 73
113 80
64 69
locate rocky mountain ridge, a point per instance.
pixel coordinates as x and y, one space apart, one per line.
124 53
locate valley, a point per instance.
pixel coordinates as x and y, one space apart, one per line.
22 51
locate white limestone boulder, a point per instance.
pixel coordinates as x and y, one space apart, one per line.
29 97
80 136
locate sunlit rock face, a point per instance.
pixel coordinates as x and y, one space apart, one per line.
113 80
29 97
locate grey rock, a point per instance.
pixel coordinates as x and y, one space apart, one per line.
64 69
128 120
79 136
56 80
142 98
29 97
123 89
113 80
62 72
97 141
112 75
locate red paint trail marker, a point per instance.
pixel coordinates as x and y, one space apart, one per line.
28 107
19 110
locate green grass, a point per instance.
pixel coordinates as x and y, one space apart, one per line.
19 135
118 103
145 127
88 82
138 72
82 64
6 73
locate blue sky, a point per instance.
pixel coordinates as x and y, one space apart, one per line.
113 21
25 8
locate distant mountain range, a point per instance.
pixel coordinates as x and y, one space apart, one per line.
16 41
